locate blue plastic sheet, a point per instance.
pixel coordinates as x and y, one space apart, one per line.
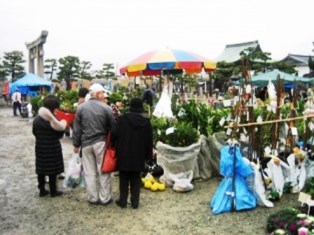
233 189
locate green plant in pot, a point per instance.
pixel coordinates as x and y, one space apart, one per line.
36 102
173 132
68 99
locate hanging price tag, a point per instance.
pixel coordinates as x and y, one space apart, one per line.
259 119
227 103
181 112
170 130
267 150
294 131
229 131
244 131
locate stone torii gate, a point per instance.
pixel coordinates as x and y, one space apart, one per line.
36 51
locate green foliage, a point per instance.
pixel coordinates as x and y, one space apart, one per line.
287 188
285 219
309 186
115 96
256 59
214 118
273 195
223 73
69 68
2 73
184 134
106 71
68 99
36 102
193 113
311 64
12 64
285 110
84 67
190 80
202 117
284 67
174 100
160 125
50 67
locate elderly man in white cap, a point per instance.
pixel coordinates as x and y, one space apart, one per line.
92 123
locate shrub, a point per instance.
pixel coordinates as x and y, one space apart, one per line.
183 135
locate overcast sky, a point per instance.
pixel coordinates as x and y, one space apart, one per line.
117 31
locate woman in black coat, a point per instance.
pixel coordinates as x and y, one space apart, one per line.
133 138
49 159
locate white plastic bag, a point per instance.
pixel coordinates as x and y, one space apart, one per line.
74 174
182 181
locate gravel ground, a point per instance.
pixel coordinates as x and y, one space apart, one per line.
22 211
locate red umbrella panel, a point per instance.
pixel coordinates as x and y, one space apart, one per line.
167 61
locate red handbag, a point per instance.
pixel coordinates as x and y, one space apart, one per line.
109 162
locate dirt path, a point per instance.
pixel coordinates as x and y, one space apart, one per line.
22 211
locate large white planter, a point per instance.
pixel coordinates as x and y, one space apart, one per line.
202 157
177 160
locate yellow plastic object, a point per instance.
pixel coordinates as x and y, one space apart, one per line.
154 187
161 187
148 184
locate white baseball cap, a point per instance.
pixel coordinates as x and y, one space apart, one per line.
96 88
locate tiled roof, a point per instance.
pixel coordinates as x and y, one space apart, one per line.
297 59
232 51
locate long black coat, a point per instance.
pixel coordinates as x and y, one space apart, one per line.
48 149
133 139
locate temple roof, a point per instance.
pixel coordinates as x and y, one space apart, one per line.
297 60
232 51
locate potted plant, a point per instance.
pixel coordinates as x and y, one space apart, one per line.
36 102
67 108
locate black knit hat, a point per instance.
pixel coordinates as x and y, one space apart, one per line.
136 105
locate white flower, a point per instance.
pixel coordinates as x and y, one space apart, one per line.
301 216
280 232
310 219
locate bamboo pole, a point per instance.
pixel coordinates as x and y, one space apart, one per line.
268 122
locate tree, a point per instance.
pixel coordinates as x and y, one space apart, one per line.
50 67
223 74
69 69
284 67
2 73
12 64
256 60
311 64
84 74
190 80
106 71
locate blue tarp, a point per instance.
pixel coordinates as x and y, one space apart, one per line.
233 189
30 84
286 78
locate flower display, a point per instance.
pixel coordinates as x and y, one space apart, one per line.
290 221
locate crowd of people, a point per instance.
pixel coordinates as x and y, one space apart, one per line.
131 135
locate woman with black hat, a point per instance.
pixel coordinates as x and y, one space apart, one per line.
133 138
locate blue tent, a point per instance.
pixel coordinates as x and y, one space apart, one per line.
286 78
30 85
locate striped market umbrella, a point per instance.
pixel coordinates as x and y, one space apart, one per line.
167 61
